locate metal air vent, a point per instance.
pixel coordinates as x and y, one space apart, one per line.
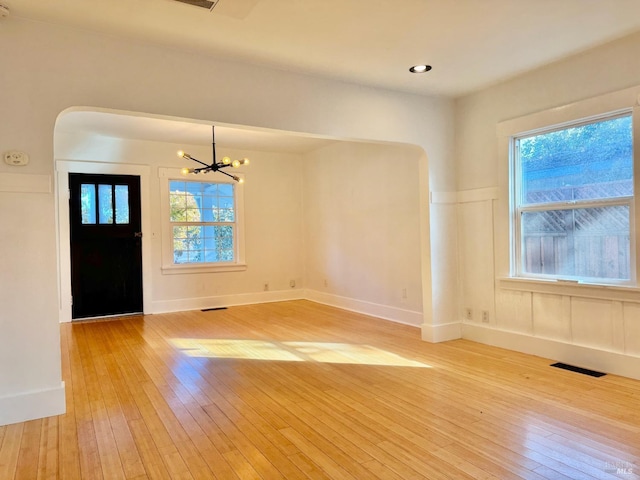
200 3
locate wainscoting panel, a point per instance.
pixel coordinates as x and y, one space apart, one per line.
513 311
476 259
631 321
590 326
551 316
592 323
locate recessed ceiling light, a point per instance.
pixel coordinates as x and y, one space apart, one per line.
420 68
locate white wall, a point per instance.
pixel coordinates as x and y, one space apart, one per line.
591 327
362 229
52 69
273 222
359 230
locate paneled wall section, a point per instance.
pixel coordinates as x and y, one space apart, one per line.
605 319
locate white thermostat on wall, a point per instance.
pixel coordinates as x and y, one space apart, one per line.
16 158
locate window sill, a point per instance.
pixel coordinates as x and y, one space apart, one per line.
625 293
205 268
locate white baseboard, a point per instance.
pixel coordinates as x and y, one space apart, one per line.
199 303
31 405
393 314
398 315
585 357
441 333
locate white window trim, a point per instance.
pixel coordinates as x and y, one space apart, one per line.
604 106
168 267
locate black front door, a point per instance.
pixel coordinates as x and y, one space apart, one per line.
106 245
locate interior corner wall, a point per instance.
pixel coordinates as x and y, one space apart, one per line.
362 229
53 68
552 324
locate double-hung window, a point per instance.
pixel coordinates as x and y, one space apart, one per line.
572 196
202 224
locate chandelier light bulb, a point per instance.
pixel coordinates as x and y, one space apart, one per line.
180 153
245 161
235 163
240 179
226 160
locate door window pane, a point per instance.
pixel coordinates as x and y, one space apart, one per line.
88 203
122 204
105 202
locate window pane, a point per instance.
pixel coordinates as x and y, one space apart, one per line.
177 185
585 162
209 208
187 244
225 189
105 203
184 207
210 189
122 204
581 242
193 190
218 243
88 203
225 209
203 205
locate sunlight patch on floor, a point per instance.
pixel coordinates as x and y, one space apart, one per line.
322 352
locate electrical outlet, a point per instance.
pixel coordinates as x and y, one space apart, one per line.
485 316
468 314
326 284
404 293
292 283
266 286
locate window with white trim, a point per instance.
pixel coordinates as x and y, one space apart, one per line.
202 224
572 197
203 221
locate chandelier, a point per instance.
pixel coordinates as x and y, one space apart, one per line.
215 166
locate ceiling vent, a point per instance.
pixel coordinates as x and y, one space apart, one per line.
239 9
200 3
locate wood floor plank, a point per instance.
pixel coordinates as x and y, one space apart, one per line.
29 450
319 457
48 449
66 443
149 454
10 450
310 469
299 390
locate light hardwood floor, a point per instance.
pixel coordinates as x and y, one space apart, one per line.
301 390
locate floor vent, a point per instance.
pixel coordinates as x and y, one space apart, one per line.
200 3
584 371
211 309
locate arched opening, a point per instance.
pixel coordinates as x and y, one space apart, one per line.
331 220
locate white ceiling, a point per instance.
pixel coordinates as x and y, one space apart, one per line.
469 43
